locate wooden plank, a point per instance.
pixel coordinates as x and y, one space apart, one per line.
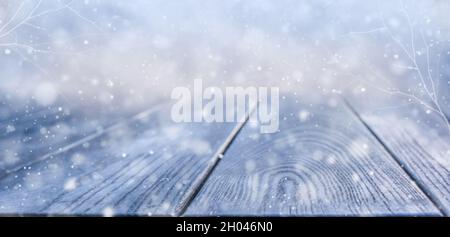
418 138
31 132
322 162
144 167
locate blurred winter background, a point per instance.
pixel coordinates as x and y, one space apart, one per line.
117 57
124 54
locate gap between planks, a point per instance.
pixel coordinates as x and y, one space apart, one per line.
217 157
81 141
430 195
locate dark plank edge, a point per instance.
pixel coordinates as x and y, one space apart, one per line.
217 157
422 186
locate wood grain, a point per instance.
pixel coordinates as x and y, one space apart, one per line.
322 162
144 167
32 132
418 138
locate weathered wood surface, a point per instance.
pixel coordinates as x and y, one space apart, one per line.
322 162
146 166
34 132
418 138
328 159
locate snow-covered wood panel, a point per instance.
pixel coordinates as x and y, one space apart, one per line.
322 162
34 132
417 137
144 166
